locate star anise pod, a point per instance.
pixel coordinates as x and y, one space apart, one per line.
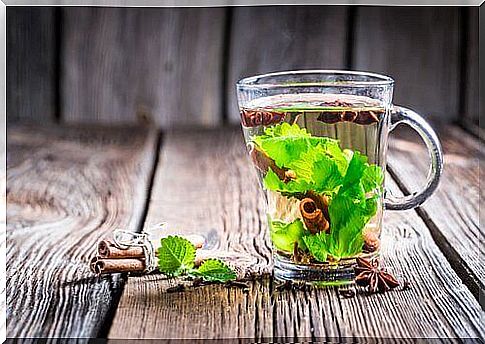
371 275
260 116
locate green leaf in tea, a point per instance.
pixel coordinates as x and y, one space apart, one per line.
357 166
326 176
273 182
214 270
284 235
282 130
317 246
347 240
373 178
175 255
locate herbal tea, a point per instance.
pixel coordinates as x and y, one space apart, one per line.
320 164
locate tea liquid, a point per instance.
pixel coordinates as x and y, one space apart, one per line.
303 209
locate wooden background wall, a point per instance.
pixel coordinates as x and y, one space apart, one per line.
178 66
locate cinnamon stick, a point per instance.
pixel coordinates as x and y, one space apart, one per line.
321 201
103 266
92 264
313 216
108 249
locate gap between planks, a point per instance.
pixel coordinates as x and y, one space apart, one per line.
105 327
67 187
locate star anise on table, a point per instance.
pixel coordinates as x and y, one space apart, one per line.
371 275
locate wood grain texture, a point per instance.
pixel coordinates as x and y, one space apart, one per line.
453 213
66 188
205 184
420 48
160 65
275 38
31 56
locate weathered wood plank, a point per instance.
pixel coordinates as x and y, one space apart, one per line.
160 65
406 44
453 213
275 38
66 188
31 51
205 184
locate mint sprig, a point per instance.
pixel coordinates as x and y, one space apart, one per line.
176 256
214 270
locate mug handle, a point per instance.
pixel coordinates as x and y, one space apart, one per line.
406 116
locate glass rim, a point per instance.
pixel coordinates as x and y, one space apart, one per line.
381 80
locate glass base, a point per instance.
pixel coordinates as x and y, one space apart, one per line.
340 273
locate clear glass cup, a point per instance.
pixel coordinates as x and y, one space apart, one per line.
318 140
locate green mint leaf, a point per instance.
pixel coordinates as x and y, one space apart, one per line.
285 143
284 235
347 240
372 178
176 255
284 129
272 182
349 213
339 210
317 245
357 166
326 175
285 150
369 207
332 149
355 192
303 166
214 270
319 167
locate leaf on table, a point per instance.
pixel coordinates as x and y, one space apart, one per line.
175 255
214 270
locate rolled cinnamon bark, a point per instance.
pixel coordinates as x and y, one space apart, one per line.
313 216
104 266
321 201
108 249
92 264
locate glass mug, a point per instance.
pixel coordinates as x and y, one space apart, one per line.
318 140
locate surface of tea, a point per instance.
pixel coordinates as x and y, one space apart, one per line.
320 162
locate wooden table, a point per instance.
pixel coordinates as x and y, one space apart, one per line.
67 187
